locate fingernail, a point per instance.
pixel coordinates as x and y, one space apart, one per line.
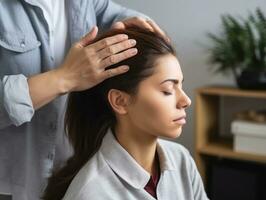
124 36
134 51
133 42
125 68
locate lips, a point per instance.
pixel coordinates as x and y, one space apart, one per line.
181 120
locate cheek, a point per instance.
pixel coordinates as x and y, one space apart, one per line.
154 114
154 110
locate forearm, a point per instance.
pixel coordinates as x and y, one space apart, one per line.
45 87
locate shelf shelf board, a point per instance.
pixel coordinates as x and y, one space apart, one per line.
225 150
230 91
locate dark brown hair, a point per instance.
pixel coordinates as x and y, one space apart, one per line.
89 115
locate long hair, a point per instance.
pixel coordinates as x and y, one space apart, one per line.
89 115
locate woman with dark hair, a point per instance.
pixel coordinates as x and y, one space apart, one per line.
115 128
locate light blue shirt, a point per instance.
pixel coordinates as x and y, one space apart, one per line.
113 174
28 147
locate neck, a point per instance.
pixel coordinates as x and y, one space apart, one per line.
141 146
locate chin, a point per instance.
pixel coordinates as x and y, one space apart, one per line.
172 134
176 134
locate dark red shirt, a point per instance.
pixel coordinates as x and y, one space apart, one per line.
154 179
152 185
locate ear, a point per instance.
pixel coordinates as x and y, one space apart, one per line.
119 101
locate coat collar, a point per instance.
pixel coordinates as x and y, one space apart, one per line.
125 166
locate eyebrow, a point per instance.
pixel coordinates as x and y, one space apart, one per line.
175 81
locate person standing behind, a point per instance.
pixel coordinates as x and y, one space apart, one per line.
35 75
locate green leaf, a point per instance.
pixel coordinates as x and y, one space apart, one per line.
240 45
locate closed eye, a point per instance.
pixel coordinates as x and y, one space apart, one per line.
167 93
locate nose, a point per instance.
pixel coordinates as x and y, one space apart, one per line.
183 101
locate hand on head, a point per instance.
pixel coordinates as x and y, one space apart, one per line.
86 63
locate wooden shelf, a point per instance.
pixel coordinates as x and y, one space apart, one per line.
229 91
224 149
207 118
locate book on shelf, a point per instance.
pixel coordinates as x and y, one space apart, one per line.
249 137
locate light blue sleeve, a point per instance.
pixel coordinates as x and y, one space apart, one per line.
15 102
108 12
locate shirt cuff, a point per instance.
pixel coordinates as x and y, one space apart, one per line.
16 99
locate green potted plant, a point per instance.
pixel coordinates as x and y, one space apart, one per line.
241 49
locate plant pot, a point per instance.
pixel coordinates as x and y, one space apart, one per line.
252 80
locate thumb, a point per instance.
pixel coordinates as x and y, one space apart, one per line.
89 37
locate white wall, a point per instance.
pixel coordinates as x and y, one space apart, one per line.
187 22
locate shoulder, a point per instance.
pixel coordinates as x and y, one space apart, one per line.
89 176
176 154
173 148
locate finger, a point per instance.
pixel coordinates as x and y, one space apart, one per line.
158 30
111 60
114 72
106 42
116 48
139 22
88 38
118 25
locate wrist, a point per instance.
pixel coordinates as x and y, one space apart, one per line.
62 83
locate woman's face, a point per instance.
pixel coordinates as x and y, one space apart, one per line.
159 105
